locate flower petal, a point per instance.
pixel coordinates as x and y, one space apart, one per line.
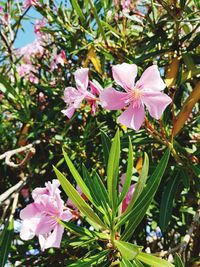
45 225
95 89
53 240
151 79
69 112
29 211
133 117
28 228
81 78
124 74
156 102
111 99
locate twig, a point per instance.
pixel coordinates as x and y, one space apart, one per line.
16 188
30 151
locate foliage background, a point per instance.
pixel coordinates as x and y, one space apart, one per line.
99 34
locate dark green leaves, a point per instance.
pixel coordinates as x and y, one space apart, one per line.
5 241
140 207
167 201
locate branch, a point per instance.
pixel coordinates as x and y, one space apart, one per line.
28 148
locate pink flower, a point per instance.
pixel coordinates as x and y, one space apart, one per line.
129 194
29 3
24 69
146 91
38 25
73 97
58 59
39 217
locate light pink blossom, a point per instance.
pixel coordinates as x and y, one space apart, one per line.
38 25
129 194
73 97
39 217
58 59
146 91
29 3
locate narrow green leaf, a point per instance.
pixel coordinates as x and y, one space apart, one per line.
5 241
129 171
126 263
77 177
128 251
90 261
113 170
106 143
98 20
167 201
141 183
78 201
78 230
140 207
78 10
177 261
152 260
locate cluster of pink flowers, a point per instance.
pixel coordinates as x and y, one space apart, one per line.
58 59
30 52
29 3
73 97
145 92
40 217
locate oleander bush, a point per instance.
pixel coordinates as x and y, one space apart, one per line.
100 133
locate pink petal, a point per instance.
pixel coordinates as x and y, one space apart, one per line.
53 240
156 102
95 90
133 117
45 225
151 79
66 216
28 228
69 112
81 78
124 75
29 211
112 99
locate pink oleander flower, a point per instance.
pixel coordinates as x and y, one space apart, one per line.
34 49
58 59
73 97
29 3
24 69
40 217
129 194
38 25
145 92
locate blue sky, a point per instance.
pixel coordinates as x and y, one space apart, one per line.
27 36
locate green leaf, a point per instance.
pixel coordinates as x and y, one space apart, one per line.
95 259
177 261
126 263
78 10
98 20
77 177
167 201
141 183
152 260
5 241
129 171
140 207
78 201
106 146
113 170
78 230
128 251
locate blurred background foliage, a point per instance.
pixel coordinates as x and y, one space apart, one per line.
98 34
